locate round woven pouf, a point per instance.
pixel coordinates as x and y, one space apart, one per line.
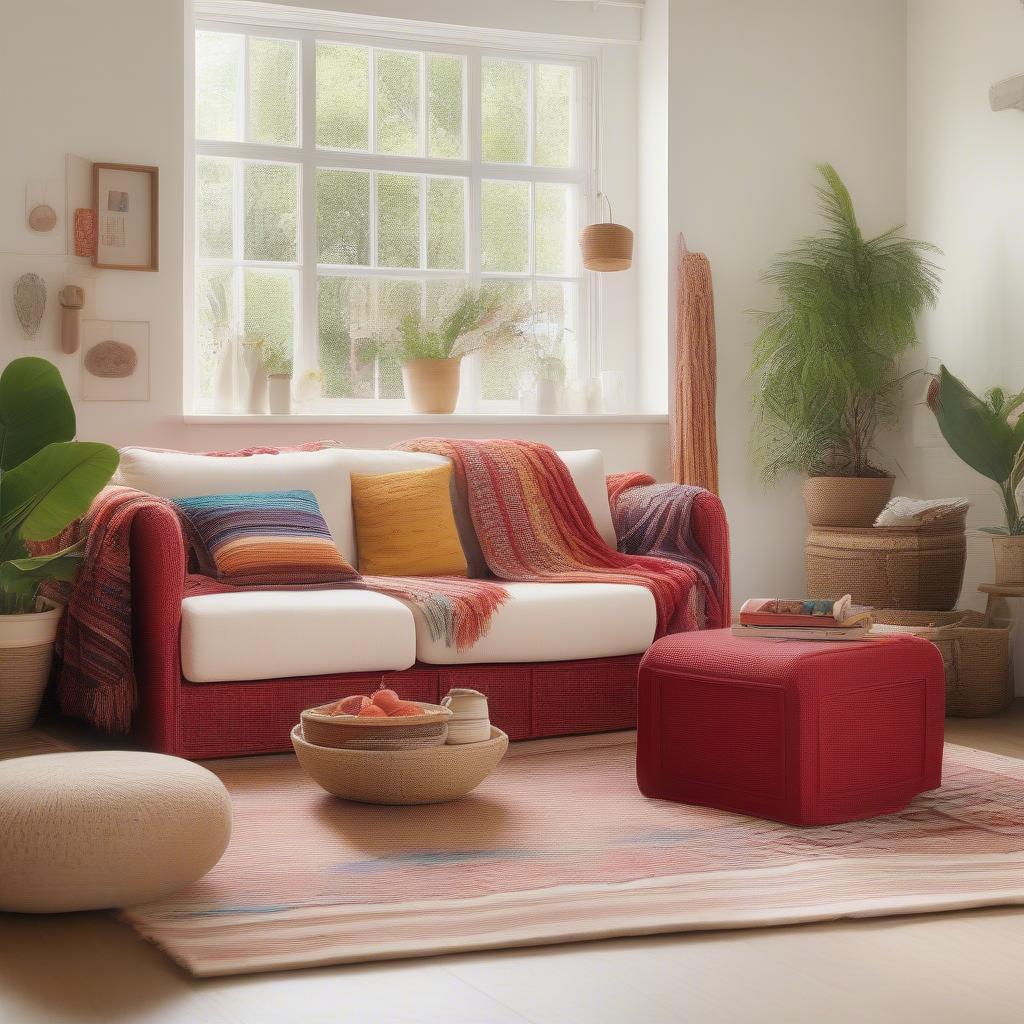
111 828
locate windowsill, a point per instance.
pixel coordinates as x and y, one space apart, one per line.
417 419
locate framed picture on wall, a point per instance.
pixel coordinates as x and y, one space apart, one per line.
124 198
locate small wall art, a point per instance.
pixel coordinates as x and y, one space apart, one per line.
115 361
125 201
30 302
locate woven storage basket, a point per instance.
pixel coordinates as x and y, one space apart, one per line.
851 501
976 657
907 567
401 776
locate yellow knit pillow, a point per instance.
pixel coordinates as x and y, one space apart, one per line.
405 525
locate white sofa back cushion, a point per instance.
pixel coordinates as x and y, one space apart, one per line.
326 473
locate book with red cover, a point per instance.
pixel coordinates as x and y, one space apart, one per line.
804 613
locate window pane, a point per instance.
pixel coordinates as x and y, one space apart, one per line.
344 318
270 317
507 370
504 98
554 228
342 96
398 220
394 300
273 91
398 102
446 223
552 142
556 331
444 106
218 85
343 216
271 198
505 226
214 207
214 322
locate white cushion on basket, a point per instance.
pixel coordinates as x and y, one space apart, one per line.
110 828
555 622
270 634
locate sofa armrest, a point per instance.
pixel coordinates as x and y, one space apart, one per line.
711 532
709 527
158 562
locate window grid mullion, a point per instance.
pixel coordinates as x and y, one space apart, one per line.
473 375
307 328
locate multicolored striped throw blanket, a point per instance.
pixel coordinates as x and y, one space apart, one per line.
532 525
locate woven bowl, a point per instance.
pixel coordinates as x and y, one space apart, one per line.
427 776
428 729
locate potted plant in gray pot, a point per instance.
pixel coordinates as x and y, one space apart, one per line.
47 480
826 363
988 434
430 349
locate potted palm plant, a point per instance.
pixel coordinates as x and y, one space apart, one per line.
430 350
826 363
47 480
988 434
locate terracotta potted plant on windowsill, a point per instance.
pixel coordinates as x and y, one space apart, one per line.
826 363
988 434
47 480
430 350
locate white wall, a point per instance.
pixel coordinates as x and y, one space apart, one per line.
758 92
105 79
965 193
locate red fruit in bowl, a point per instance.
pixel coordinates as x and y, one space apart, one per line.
386 699
352 705
371 711
404 709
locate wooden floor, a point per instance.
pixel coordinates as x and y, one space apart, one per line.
962 967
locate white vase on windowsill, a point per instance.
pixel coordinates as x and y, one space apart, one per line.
256 385
225 375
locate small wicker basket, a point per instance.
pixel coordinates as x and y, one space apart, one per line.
350 731
906 567
976 656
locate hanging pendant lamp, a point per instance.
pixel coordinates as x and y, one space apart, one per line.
607 247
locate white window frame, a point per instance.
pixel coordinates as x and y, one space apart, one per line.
308 157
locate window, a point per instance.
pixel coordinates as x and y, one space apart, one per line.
342 182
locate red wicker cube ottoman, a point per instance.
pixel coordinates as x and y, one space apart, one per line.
803 732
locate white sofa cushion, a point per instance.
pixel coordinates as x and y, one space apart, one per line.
327 474
267 634
587 470
555 622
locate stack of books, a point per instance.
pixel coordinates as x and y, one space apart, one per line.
803 619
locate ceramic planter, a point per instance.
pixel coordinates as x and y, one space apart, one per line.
846 500
26 653
1009 553
432 385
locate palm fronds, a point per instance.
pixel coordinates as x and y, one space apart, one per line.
826 363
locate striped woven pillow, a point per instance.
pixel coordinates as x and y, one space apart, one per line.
276 537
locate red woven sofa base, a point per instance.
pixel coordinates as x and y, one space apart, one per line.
799 732
526 701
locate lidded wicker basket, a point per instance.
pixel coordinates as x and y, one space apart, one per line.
902 567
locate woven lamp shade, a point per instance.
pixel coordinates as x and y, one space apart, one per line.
607 247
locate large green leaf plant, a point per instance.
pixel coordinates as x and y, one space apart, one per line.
826 364
47 479
988 434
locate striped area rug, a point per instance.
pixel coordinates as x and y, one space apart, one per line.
558 845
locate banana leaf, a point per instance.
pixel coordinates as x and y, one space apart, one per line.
35 410
978 435
53 488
